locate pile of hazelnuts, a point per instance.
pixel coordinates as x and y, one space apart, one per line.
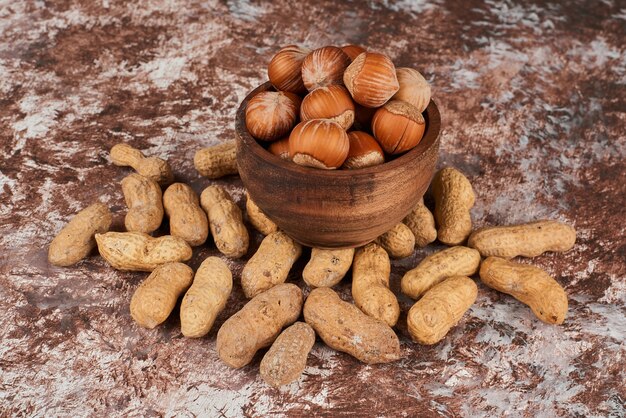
338 107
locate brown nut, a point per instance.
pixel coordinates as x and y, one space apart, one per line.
217 161
454 197
528 284
414 89
76 240
187 219
285 69
343 327
371 79
271 114
155 298
285 361
399 241
280 148
226 222
352 51
153 168
398 127
332 102
258 219
422 223
319 143
326 268
145 203
364 151
526 240
258 324
440 309
324 67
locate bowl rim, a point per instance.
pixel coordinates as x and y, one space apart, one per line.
431 134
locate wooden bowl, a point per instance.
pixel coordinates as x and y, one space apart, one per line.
336 208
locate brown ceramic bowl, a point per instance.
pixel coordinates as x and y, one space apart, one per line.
336 208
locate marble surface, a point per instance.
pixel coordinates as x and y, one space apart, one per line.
533 100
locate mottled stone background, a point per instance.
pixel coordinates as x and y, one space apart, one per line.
533 96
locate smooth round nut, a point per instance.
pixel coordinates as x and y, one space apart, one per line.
398 127
280 148
371 79
352 51
319 143
414 89
285 69
364 151
324 67
332 102
271 114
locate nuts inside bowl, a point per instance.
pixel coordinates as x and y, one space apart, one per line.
398 126
371 79
271 114
364 151
324 67
319 143
332 102
285 69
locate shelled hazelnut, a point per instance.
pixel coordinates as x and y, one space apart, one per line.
398 126
332 102
324 67
364 151
271 114
319 143
352 51
280 148
371 79
414 88
285 69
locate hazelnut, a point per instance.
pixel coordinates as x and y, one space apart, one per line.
324 67
414 88
352 51
364 151
332 102
280 148
319 143
363 117
271 114
285 69
371 79
398 126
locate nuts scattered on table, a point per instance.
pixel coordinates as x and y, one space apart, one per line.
187 219
144 199
153 168
217 161
326 268
454 197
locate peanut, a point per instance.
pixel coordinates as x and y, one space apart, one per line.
153 168
285 361
326 268
370 284
421 222
258 324
441 308
343 327
527 240
217 161
76 240
258 219
399 241
136 251
145 203
528 284
270 265
206 297
454 198
226 222
156 297
187 219
455 261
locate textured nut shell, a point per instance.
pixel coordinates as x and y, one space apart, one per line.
136 251
285 69
332 102
528 284
226 222
371 79
324 67
398 127
441 308
326 268
527 240
271 114
422 223
280 148
258 324
454 197
270 265
364 151
258 219
145 204
286 359
399 241
187 219
155 298
370 284
153 168
206 297
414 89
343 327
455 261
319 143
76 240
352 51
217 161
